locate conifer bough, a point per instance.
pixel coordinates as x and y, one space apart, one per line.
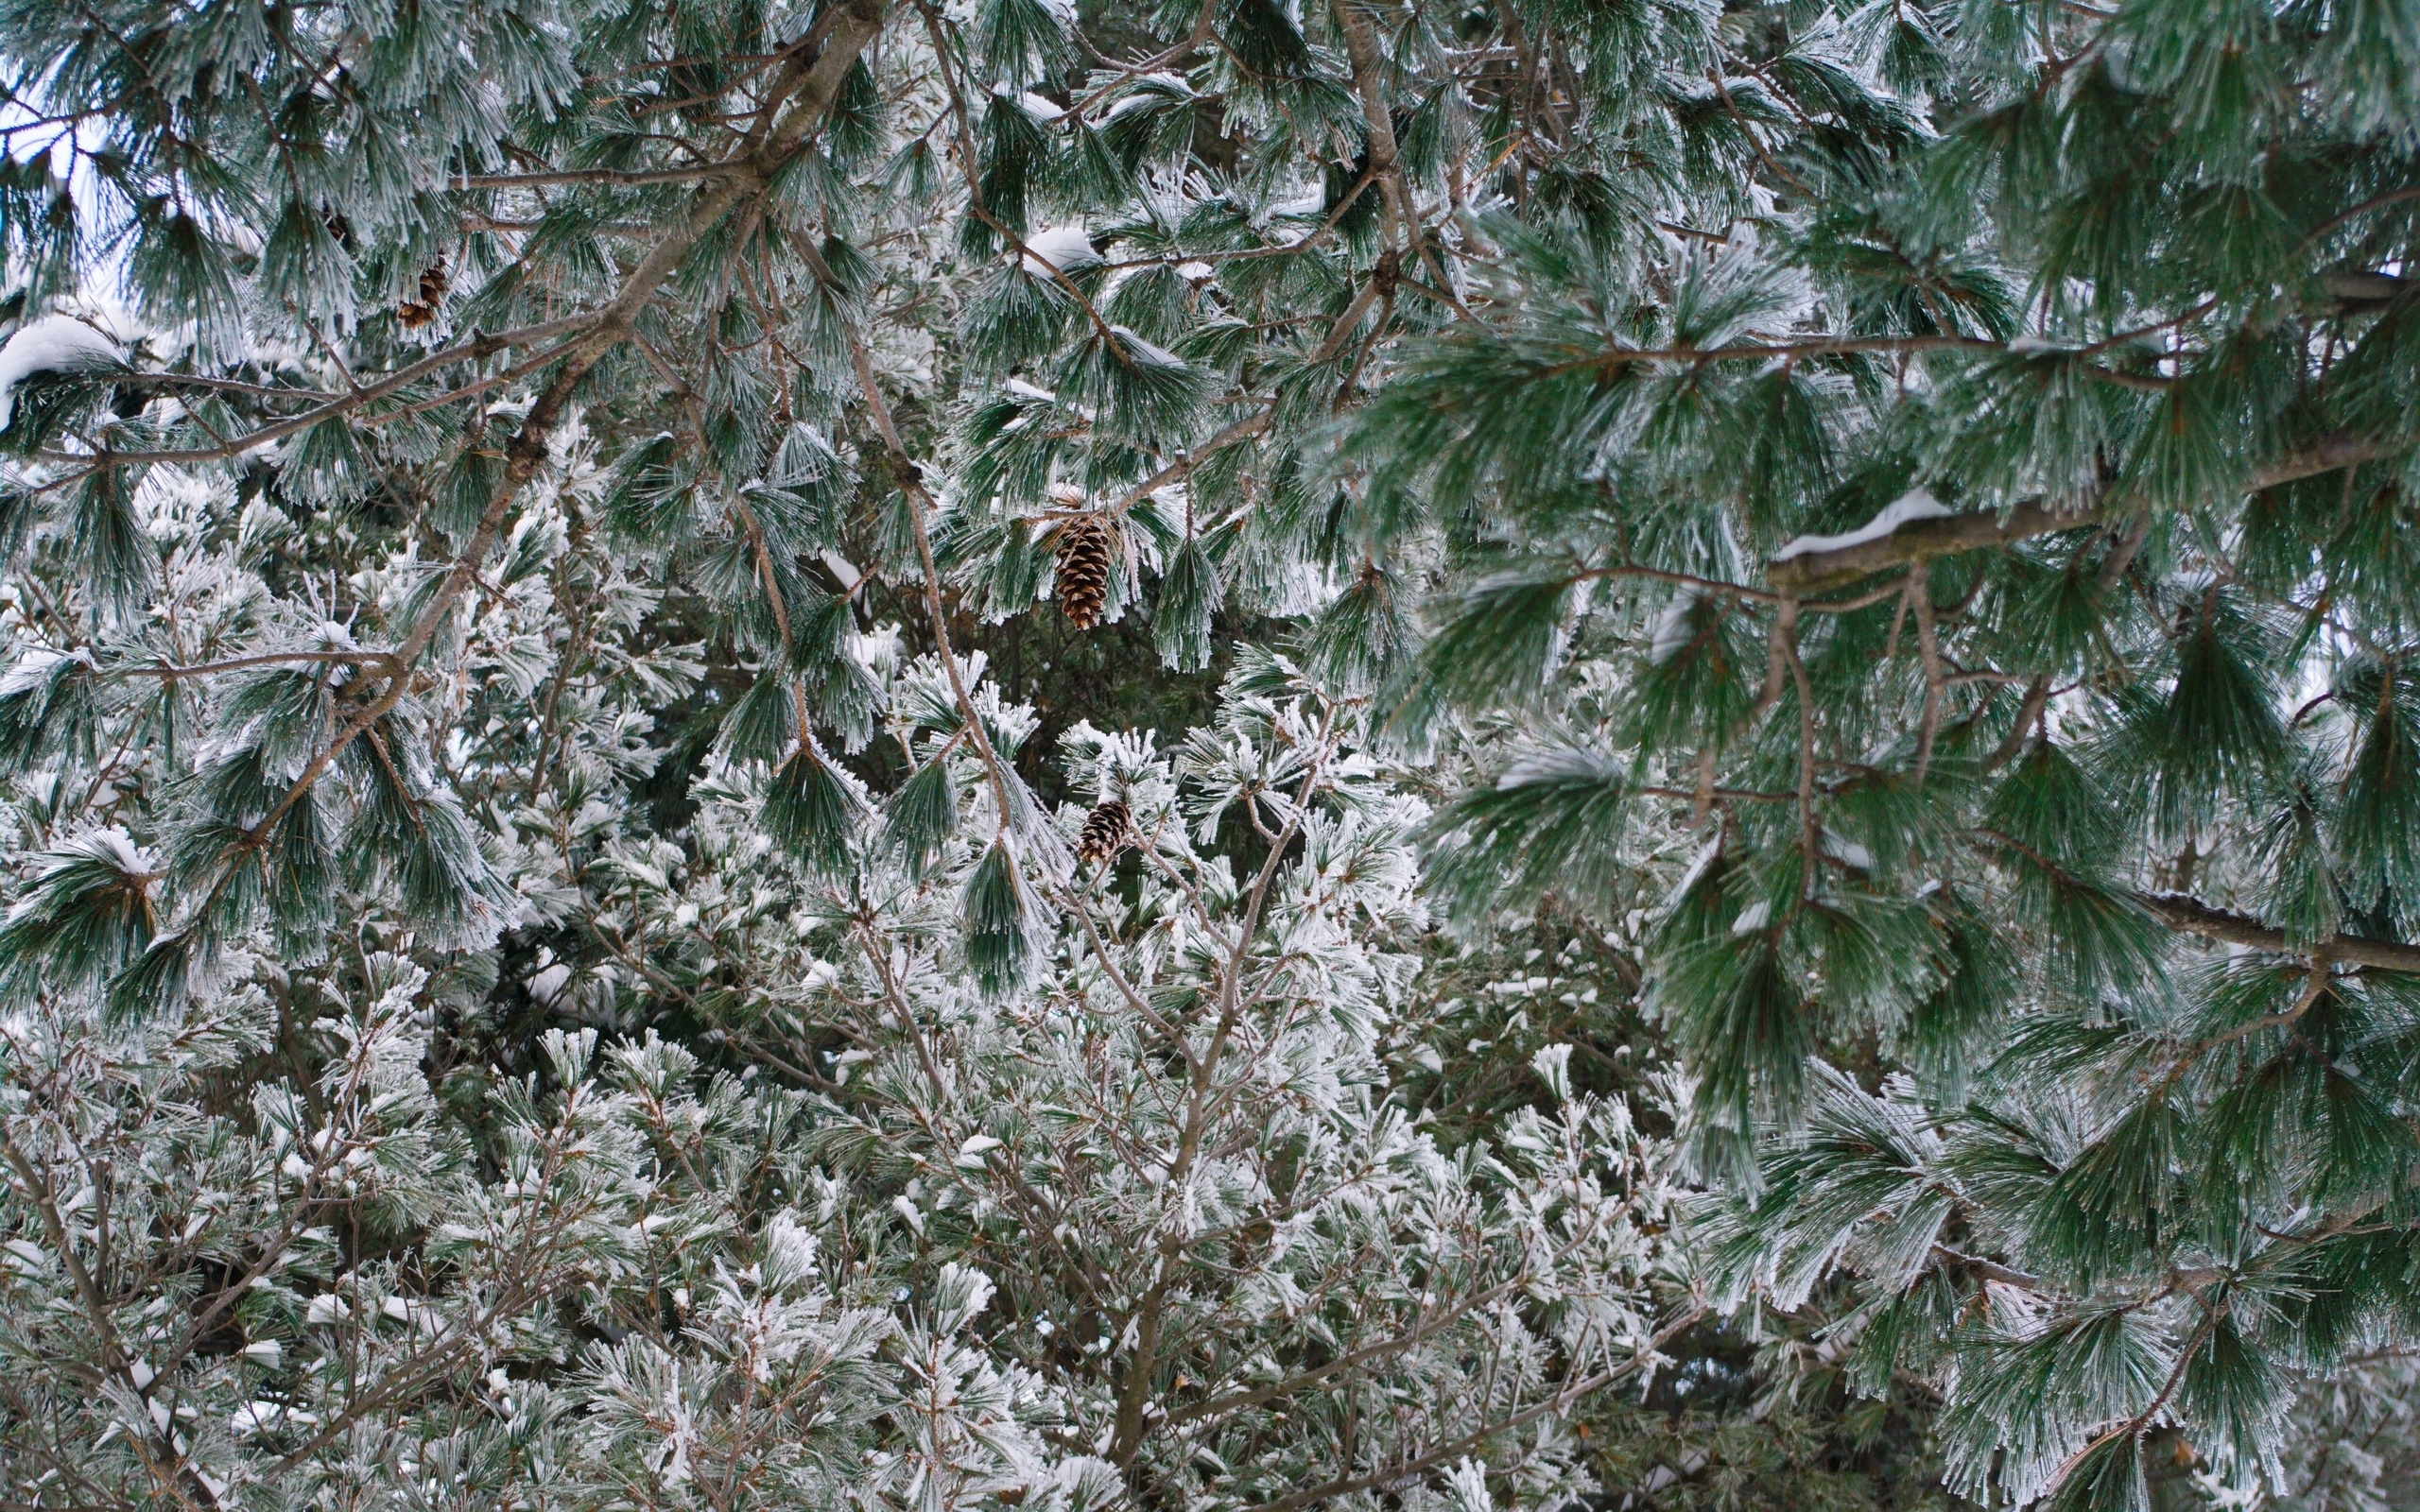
545 961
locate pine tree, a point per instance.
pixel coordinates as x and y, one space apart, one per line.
539 970
1985 563
538 960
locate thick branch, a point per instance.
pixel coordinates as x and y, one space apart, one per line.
2193 916
620 177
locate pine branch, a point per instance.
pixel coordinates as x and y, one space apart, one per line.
1345 324
2037 698
471 350
626 177
1560 1403
1242 430
1130 1423
1427 1329
921 507
1202 22
816 86
1047 1218
2376 202
2192 915
1404 228
1928 649
968 162
270 659
766 575
177 1476
1990 1270
1948 534
1809 828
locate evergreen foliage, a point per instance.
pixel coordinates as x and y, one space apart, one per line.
562 943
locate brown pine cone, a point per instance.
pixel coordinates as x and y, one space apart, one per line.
1083 570
432 289
1104 831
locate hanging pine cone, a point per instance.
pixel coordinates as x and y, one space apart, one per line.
432 289
1083 569
1104 831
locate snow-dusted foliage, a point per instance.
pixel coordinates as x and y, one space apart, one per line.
1118 1193
1206 755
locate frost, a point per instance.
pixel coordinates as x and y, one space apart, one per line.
1672 631
1553 764
1553 1065
117 847
842 568
1915 504
1060 249
1028 392
253 1416
1045 111
1163 89
1468 1478
36 664
1698 864
1143 352
54 343
1196 272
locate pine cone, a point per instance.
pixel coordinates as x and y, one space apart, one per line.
432 289
1104 831
1083 570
